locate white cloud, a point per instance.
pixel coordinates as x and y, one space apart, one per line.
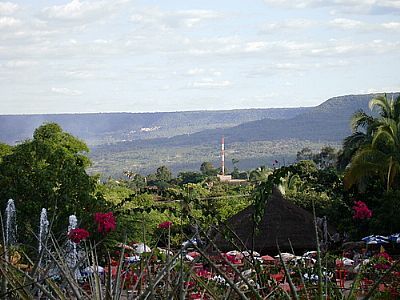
294 3
7 22
7 8
200 71
293 69
165 20
255 46
340 48
349 6
195 71
294 24
79 74
391 25
66 91
208 83
84 10
350 24
343 23
283 49
12 64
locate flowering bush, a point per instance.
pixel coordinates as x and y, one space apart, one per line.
203 273
165 225
78 234
361 211
105 222
382 261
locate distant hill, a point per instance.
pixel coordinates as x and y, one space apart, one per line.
253 143
329 121
183 140
100 128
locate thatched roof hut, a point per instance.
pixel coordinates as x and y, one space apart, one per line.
282 221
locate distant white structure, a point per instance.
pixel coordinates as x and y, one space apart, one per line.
149 129
224 178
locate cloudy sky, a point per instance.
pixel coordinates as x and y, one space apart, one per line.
165 55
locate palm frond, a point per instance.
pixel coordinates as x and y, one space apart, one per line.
366 162
360 120
383 104
396 108
355 140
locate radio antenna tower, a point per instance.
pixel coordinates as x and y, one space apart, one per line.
222 156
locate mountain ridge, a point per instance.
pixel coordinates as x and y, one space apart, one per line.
329 121
190 138
99 128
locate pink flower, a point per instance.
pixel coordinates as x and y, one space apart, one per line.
384 255
203 273
77 235
361 211
189 284
105 222
381 266
165 225
195 296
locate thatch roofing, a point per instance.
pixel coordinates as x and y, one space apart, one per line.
282 221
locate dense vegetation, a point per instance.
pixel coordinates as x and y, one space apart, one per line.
50 171
355 188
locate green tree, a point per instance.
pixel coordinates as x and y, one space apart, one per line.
326 158
5 150
379 152
235 173
207 168
260 174
304 154
163 173
48 172
137 182
190 177
362 126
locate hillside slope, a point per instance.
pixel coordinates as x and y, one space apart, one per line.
99 128
329 121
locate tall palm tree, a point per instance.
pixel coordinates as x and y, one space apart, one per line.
362 127
376 150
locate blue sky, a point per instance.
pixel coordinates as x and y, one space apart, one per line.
139 56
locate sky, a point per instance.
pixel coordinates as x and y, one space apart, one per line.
145 55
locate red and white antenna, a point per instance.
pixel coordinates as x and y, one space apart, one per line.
222 156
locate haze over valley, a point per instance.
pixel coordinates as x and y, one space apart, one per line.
183 140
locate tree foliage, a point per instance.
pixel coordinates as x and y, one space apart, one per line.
208 169
376 151
48 172
5 150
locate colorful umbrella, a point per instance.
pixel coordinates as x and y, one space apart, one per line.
266 258
375 240
141 248
395 238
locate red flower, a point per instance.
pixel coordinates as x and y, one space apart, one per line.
105 222
165 225
195 296
361 211
77 235
114 263
384 255
381 266
203 273
189 284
